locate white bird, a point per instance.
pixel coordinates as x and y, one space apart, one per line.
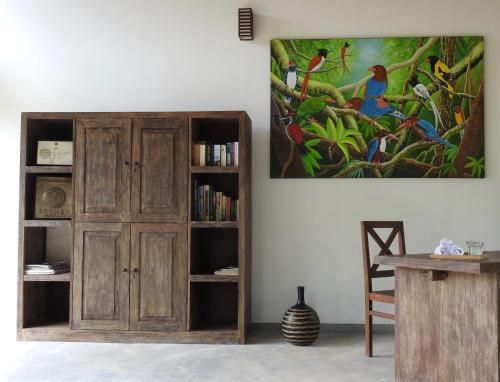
421 91
290 78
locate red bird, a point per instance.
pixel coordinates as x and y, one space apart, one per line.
343 54
316 63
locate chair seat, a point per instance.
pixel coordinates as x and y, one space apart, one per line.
386 296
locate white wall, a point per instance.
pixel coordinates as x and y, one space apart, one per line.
133 55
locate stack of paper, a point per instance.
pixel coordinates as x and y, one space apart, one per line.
229 271
46 268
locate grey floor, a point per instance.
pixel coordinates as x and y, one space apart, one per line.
336 356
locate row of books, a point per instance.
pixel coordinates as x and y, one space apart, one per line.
46 268
211 205
229 271
208 154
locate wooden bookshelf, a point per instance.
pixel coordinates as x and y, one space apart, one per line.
219 244
124 213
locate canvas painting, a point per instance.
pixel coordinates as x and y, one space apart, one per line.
377 108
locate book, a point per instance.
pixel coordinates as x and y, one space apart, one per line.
46 268
228 154
203 154
216 155
196 154
235 163
223 156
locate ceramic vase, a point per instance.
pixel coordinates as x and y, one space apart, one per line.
300 324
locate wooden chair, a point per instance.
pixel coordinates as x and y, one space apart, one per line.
368 229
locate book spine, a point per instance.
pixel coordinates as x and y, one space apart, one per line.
196 154
223 208
223 156
203 149
207 202
195 200
216 155
217 203
236 154
201 205
228 154
212 204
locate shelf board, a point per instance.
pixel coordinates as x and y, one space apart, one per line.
220 328
47 223
214 224
214 278
60 277
49 169
214 170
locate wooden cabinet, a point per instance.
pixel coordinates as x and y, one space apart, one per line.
160 167
159 277
101 276
142 269
102 170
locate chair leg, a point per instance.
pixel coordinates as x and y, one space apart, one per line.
368 330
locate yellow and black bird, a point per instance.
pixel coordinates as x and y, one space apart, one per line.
442 72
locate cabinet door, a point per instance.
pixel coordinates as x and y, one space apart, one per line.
101 276
158 285
160 170
102 170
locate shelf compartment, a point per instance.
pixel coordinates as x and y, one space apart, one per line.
213 306
211 250
45 304
49 169
45 130
30 192
215 130
214 170
60 277
227 183
214 278
47 244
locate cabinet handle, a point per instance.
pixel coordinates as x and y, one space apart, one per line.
136 163
135 270
127 163
125 270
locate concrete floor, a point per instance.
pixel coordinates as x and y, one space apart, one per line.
334 357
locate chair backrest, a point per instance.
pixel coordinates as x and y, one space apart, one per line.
369 229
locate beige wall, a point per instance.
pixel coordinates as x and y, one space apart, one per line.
97 55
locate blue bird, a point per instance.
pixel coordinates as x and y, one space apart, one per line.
424 130
374 107
377 85
377 146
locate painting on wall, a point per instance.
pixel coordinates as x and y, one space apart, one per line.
377 108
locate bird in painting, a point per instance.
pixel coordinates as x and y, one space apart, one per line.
460 118
343 54
378 145
459 115
442 72
424 130
312 107
377 84
290 77
314 65
373 107
421 91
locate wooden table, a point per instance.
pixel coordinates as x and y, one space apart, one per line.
447 318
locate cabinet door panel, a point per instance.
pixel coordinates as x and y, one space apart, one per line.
102 170
160 170
158 283
101 276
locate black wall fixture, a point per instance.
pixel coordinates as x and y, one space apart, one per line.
245 23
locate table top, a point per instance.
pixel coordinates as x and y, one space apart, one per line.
491 264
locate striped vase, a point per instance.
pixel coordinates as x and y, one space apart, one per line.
300 324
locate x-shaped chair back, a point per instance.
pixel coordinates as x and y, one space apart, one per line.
369 230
